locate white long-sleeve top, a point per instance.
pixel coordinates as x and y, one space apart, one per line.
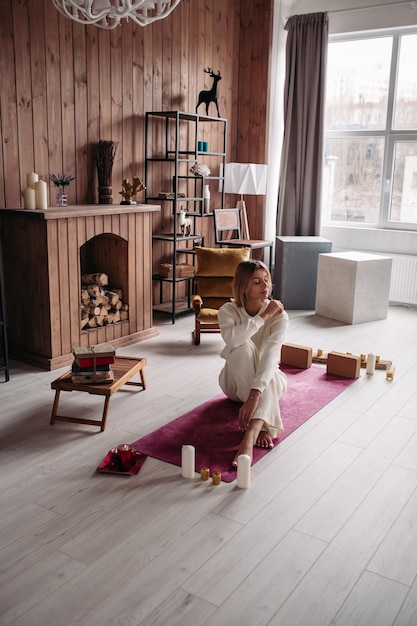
238 327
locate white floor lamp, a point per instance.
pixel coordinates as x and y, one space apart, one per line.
245 179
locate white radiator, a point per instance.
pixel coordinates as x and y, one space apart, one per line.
403 287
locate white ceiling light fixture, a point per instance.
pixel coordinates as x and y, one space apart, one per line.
108 13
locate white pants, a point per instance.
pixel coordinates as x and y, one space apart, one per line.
236 379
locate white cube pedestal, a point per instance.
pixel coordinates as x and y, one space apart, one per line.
353 287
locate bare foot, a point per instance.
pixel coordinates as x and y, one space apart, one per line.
244 448
264 440
249 440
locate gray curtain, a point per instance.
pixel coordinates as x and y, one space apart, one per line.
302 151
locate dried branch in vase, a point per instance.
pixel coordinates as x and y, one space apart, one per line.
105 154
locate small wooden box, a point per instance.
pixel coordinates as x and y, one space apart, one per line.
346 365
297 356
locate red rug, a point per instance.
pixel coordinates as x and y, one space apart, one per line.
212 427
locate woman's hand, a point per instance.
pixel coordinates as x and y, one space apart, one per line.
248 408
275 307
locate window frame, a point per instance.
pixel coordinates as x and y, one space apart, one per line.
390 135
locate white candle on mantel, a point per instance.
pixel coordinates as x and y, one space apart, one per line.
29 198
41 193
188 461
32 179
243 471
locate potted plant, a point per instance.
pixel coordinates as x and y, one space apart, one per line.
61 181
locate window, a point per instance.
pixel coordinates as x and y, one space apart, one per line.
370 149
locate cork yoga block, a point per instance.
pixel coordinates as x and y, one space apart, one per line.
346 365
297 356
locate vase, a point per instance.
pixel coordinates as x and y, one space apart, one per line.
206 198
105 194
61 198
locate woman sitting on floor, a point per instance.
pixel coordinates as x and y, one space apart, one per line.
253 328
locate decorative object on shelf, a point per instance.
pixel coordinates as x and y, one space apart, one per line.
41 195
31 179
197 243
185 223
61 181
206 199
170 195
182 270
200 169
106 151
129 190
29 198
29 193
244 178
107 14
209 95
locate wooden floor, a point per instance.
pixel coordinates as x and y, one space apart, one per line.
326 534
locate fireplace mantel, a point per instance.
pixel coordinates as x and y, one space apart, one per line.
85 210
41 250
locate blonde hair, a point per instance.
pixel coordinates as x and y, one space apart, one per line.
243 278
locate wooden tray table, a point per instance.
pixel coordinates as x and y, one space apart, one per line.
124 368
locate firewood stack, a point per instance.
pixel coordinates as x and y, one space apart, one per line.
101 304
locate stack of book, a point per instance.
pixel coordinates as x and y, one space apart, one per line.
182 270
92 364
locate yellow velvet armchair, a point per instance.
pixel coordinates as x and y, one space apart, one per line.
214 278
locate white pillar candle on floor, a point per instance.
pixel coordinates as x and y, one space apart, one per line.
41 195
31 179
188 461
243 471
370 364
29 198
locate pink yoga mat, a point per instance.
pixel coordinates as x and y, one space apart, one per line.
212 427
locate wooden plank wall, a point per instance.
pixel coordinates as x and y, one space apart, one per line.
65 86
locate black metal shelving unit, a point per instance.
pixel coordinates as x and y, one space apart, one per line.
172 147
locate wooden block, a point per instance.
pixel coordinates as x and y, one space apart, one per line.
346 365
297 356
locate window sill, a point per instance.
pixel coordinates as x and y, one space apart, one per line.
348 237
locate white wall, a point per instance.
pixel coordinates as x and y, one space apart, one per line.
347 16
356 15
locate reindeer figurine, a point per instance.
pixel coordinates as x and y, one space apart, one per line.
211 94
185 223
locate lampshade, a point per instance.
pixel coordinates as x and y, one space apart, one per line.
108 13
245 178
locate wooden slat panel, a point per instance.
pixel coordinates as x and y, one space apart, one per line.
74 286
54 295
23 91
68 146
133 254
10 186
80 188
65 257
128 166
170 78
116 103
93 110
54 95
39 95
